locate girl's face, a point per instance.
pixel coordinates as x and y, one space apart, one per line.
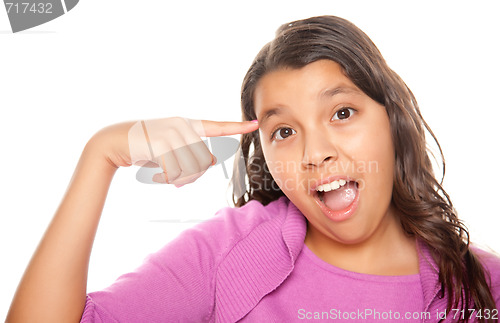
317 127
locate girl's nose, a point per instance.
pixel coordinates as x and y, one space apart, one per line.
319 150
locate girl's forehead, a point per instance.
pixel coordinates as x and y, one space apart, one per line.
317 77
318 81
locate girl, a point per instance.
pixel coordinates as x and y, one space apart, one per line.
340 216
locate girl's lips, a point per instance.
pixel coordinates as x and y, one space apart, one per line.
339 215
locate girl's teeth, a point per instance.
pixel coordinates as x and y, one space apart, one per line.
331 186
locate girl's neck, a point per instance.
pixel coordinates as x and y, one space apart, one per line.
388 251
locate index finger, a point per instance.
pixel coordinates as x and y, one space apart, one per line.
225 128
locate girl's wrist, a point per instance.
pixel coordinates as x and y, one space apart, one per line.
96 153
110 144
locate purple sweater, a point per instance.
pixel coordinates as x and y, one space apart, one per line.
251 264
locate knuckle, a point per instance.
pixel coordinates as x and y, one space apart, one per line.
175 119
173 175
178 122
222 129
191 170
206 161
170 132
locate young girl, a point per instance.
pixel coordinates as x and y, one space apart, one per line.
340 216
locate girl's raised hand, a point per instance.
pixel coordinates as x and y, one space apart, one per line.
174 144
53 288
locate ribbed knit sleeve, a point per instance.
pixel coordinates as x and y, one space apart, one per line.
93 313
174 284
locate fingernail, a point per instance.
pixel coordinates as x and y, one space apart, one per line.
179 186
255 121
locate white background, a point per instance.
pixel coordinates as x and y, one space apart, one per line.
110 61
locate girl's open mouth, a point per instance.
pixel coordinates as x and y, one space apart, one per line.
338 199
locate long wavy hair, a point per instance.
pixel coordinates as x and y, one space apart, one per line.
427 211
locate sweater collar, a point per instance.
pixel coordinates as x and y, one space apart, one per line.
259 262
429 274
294 230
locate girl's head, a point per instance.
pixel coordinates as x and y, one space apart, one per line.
328 104
303 42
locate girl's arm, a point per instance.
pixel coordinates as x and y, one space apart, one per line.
53 288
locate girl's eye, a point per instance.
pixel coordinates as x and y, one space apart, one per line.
343 114
283 133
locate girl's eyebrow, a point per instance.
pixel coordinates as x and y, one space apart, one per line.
269 113
331 92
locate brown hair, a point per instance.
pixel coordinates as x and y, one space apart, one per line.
426 209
